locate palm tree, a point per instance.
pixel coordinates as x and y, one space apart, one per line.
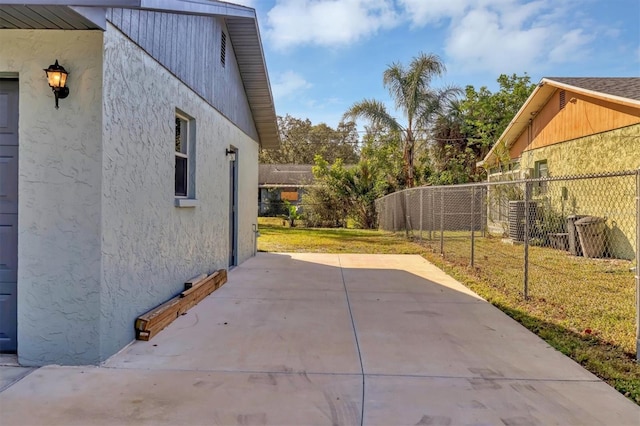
419 103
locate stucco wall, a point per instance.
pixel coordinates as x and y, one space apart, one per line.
59 195
151 247
613 198
610 151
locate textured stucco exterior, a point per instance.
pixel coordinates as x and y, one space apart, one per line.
616 150
100 238
59 247
150 247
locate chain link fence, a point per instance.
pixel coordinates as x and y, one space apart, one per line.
545 239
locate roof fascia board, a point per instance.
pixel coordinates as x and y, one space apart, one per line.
177 6
97 15
594 94
87 3
199 8
515 123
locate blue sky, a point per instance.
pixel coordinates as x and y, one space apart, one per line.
324 55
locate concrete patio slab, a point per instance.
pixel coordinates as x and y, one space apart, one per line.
290 339
454 340
98 396
447 401
252 335
11 374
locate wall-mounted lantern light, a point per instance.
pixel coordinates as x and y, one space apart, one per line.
57 77
231 154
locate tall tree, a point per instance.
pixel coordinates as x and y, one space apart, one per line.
301 141
466 130
380 147
487 114
413 96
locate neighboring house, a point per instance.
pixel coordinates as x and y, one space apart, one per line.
572 126
144 177
280 182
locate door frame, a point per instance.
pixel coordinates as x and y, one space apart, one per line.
233 207
10 76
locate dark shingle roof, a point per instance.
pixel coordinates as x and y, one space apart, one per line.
624 87
285 174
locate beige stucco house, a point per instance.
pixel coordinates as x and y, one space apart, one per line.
146 174
571 126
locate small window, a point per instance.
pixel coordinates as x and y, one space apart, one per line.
185 160
223 48
182 156
541 171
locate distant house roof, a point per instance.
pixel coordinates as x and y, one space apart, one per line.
280 175
621 90
241 21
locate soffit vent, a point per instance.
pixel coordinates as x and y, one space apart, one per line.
223 48
563 99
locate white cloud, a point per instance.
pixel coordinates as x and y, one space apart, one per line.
288 84
421 12
570 46
327 22
505 36
500 36
488 40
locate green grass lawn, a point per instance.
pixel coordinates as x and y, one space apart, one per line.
274 237
582 307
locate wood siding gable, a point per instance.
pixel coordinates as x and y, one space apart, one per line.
189 47
580 116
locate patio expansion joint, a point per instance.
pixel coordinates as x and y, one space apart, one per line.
17 379
223 371
497 379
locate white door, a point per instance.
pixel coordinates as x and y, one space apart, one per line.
8 214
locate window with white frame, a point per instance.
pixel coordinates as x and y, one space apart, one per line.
184 156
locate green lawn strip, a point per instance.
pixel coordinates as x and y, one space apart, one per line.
276 238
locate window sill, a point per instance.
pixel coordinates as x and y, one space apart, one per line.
186 202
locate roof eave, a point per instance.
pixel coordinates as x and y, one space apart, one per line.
592 93
240 19
522 119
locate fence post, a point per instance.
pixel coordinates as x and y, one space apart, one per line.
637 265
407 215
484 209
432 222
473 222
527 193
421 217
441 221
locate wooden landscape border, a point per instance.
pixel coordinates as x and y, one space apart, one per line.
196 289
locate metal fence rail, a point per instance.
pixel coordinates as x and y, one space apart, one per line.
536 232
